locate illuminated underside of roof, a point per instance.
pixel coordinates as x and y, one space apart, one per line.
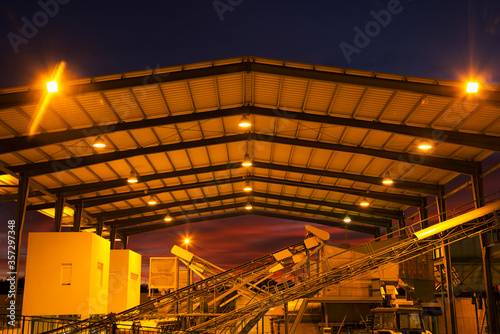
322 139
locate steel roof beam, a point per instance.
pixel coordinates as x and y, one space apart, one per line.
80 189
106 199
352 227
46 167
423 188
34 95
160 226
147 219
355 218
384 196
34 169
109 215
247 65
392 214
456 92
455 137
68 191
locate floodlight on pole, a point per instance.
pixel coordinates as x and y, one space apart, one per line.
52 86
472 87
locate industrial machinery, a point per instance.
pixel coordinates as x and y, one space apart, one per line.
295 272
395 316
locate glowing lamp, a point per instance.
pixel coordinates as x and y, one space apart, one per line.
152 200
248 206
248 186
52 86
247 162
387 180
347 219
472 87
244 122
168 218
364 203
132 178
99 142
424 146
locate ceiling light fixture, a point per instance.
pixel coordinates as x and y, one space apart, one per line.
424 146
132 177
245 122
347 219
99 142
247 162
152 200
364 202
387 179
248 186
168 218
248 206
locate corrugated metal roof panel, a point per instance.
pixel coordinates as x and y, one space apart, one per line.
346 100
70 112
293 92
373 103
177 96
230 89
203 93
266 89
151 100
319 96
400 107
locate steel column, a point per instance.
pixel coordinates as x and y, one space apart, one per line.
77 217
424 214
402 227
441 206
491 308
100 226
124 241
22 197
59 209
112 237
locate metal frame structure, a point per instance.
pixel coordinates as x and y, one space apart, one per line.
322 139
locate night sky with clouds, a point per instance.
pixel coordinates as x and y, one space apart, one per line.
439 39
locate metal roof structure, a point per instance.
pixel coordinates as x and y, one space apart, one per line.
321 139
